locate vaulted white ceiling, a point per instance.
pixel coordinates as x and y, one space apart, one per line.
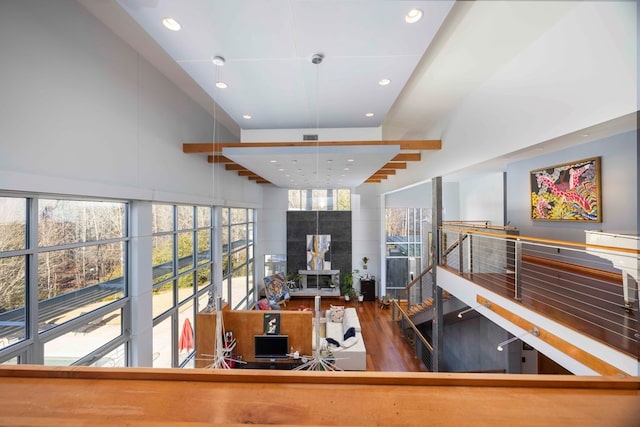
268 45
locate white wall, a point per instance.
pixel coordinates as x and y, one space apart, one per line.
418 196
581 72
366 222
83 114
271 227
482 198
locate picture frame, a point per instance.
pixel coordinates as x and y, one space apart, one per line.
272 323
567 192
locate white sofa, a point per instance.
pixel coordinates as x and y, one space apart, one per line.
353 357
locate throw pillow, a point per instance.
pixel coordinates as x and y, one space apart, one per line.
349 342
263 304
333 342
351 332
336 313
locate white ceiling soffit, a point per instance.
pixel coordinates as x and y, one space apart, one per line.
314 167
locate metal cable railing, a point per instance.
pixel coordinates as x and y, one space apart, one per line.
410 331
419 289
573 284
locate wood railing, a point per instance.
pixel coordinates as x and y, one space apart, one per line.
40 395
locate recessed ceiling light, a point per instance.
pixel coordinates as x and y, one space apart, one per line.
350 160
171 24
369 114
413 16
273 161
585 134
218 60
246 116
384 82
221 85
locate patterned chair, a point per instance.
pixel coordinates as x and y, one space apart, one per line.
276 289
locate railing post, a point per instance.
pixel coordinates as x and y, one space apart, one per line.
437 340
460 253
469 257
518 270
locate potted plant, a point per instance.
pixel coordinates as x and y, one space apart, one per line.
293 280
350 293
365 260
346 289
360 296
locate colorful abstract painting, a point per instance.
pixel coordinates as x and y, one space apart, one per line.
567 192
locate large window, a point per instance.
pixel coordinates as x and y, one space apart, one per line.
62 280
237 256
320 200
13 271
403 245
182 260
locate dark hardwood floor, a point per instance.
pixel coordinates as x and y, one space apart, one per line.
387 349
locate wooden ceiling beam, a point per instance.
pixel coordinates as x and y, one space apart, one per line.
218 158
407 157
373 181
234 167
387 171
216 147
395 166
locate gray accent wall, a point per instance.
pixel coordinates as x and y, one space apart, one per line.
470 345
335 223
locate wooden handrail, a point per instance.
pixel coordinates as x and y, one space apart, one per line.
598 365
479 224
539 240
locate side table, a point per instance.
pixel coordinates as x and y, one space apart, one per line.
368 289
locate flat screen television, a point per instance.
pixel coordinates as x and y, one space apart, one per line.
271 346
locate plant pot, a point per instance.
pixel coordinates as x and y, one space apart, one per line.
346 297
360 298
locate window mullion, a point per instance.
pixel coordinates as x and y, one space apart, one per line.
35 354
